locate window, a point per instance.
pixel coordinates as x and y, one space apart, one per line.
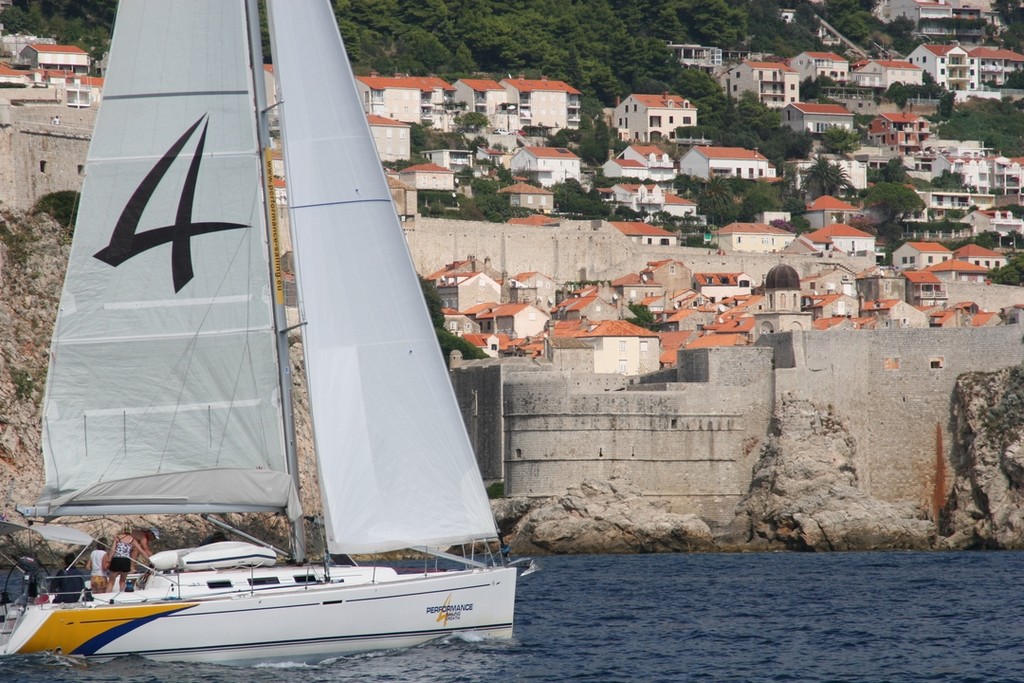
936 363
622 346
643 345
42 166
623 368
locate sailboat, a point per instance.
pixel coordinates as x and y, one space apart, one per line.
168 390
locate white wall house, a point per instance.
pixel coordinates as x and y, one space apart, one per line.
882 73
524 196
428 177
56 57
643 162
814 65
547 165
951 66
774 83
919 255
705 162
647 118
842 238
816 118
649 198
985 174
997 64
391 137
413 99
757 238
486 96
543 102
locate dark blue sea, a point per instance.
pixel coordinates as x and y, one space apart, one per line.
901 616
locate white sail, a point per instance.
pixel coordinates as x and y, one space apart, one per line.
397 469
163 386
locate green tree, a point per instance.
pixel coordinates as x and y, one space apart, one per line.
642 316
824 176
894 200
471 121
758 198
718 202
839 140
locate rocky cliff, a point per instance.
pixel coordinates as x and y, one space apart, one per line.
986 505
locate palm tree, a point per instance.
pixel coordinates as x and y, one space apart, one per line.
717 201
825 177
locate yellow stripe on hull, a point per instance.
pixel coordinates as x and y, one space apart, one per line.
84 630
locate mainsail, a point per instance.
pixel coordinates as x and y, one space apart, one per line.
397 469
163 390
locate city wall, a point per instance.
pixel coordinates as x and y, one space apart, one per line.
581 250
37 156
690 436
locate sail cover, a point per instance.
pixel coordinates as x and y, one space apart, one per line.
397 469
163 386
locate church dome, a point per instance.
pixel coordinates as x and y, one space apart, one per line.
782 277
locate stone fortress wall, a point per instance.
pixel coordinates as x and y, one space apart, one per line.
690 436
37 156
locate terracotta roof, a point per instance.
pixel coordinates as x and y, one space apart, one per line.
894 64
616 328
996 53
879 304
782 66
641 229
933 247
982 318
826 55
940 50
425 168
957 266
812 108
671 198
524 188
663 101
900 117
550 152
715 340
752 228
64 49
836 230
377 120
921 277
648 150
628 163
969 250
530 85
481 84
713 279
730 153
421 83
830 203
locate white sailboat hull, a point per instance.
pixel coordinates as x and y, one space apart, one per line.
295 623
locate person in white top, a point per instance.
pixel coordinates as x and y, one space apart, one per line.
97 565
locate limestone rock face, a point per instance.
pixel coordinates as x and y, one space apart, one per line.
598 517
804 493
986 503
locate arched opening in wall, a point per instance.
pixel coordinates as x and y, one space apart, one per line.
767 328
42 165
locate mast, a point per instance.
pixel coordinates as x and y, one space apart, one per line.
298 533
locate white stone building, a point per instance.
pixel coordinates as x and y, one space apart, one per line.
647 118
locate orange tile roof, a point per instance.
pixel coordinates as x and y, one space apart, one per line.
641 229
716 340
730 153
377 120
421 83
530 85
64 49
524 188
481 84
895 64
969 250
996 53
752 228
957 266
425 168
930 247
812 108
835 230
662 101
550 152
830 203
826 55
921 277
782 66
616 328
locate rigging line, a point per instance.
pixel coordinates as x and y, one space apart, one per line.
342 202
